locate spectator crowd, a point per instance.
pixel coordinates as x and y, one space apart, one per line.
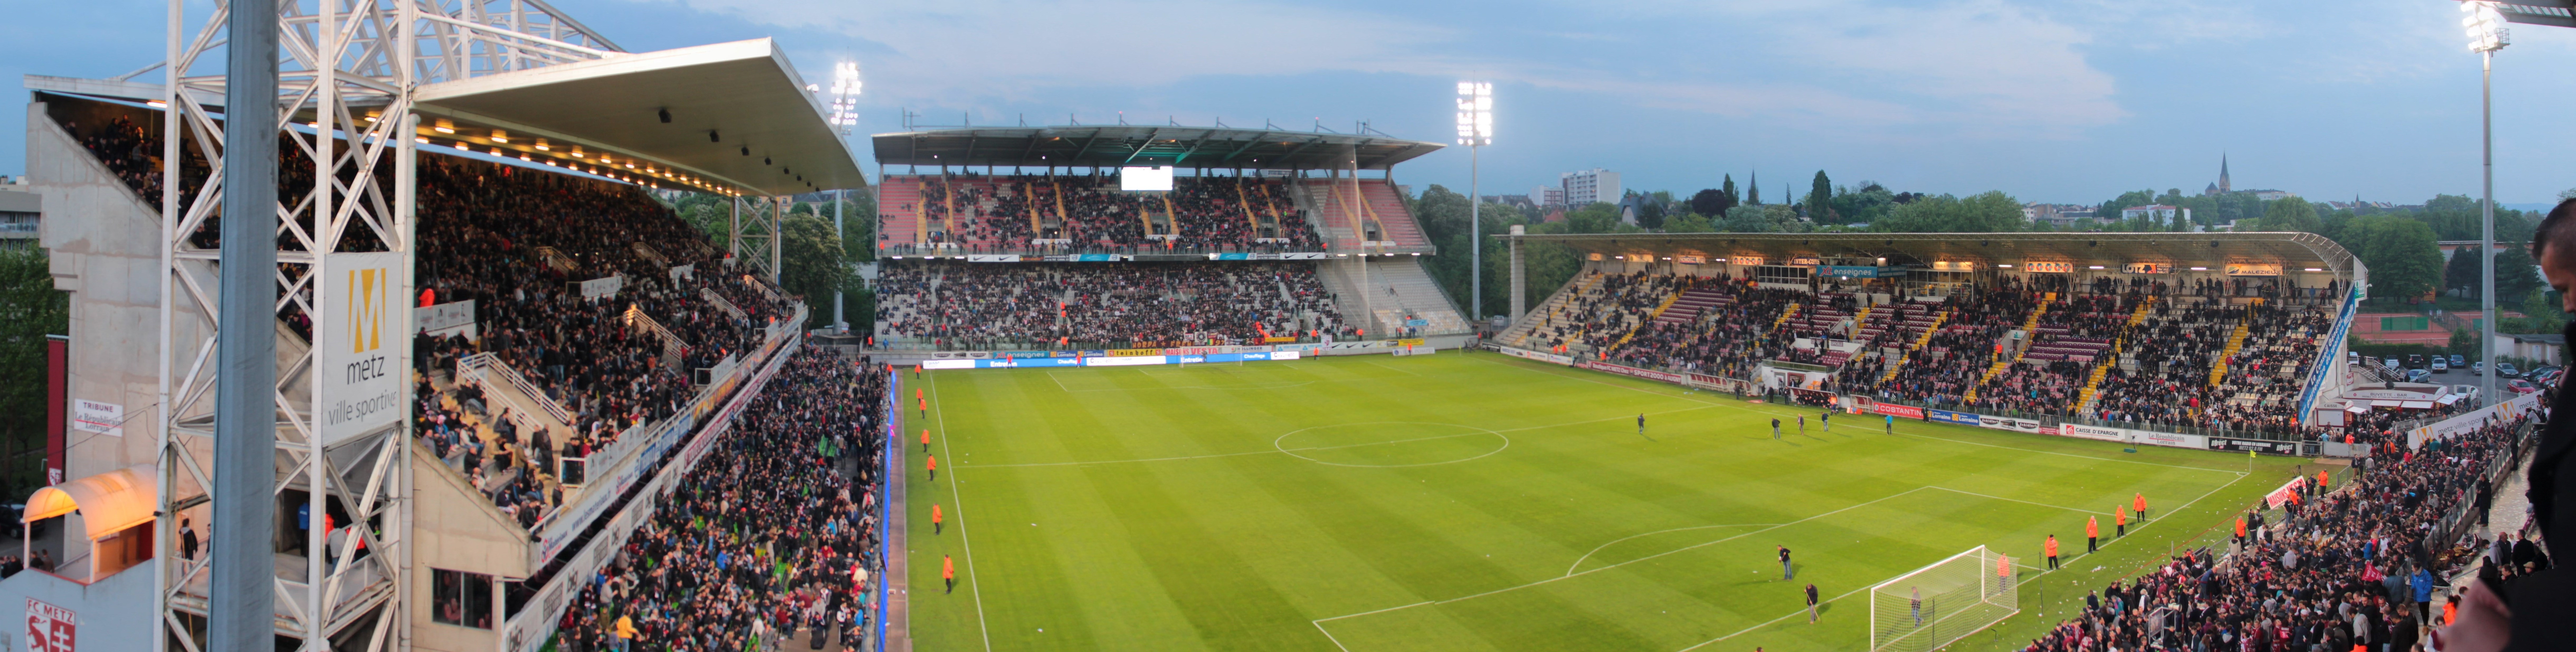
1027 213
946 304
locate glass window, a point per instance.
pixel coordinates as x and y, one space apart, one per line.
460 598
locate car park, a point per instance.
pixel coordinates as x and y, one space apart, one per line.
2520 386
2441 366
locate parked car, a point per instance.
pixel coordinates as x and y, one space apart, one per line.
2478 368
2544 378
2441 366
2418 375
2415 361
2533 375
2457 359
2520 386
2470 391
2506 370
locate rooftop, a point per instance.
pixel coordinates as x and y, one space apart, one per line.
2293 251
1123 145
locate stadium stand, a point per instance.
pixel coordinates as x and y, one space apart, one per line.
977 213
2340 569
766 529
551 375
945 304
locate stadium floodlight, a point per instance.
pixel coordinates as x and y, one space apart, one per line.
1475 130
845 115
2486 35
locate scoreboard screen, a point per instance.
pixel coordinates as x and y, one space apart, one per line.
1156 178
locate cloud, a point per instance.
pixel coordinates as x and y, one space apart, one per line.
1978 67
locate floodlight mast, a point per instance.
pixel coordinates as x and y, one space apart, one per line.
845 103
1475 130
2486 35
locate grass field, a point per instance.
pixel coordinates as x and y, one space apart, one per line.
1481 502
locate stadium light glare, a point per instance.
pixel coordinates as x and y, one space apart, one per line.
500 136
2485 25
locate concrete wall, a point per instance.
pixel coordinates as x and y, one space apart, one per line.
105 243
112 614
456 529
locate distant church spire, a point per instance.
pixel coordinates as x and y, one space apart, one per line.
2222 174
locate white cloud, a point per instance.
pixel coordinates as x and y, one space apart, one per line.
1984 67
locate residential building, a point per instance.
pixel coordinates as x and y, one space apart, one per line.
1586 187
20 211
1548 195
2159 213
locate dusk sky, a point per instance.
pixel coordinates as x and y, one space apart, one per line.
2050 101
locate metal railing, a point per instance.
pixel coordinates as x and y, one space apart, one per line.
485 367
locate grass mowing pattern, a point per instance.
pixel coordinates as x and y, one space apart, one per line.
1481 502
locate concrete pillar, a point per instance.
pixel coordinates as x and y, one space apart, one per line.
1520 277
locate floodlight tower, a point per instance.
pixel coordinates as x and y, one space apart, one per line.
1475 130
845 114
2486 35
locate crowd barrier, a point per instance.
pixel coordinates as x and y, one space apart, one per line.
2470 420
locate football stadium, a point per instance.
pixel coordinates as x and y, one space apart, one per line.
1137 387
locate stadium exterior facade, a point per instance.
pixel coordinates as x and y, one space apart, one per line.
364 87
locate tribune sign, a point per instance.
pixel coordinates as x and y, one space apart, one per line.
358 343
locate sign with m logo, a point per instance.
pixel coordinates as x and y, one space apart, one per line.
362 308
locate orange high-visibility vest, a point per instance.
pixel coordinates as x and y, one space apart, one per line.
2142 502
934 462
2123 517
934 513
2240 527
925 436
2092 527
2052 546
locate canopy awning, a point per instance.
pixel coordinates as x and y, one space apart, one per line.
2418 405
2454 398
108 502
2387 403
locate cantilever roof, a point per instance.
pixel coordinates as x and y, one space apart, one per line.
2289 249
744 93
1117 145
2538 12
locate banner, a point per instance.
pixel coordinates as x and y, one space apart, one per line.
2282 495
2094 432
684 271
1948 416
992 258
1625 370
1892 409
1534 355
602 287
2170 439
443 316
2260 445
2007 423
2470 421
358 343
1134 352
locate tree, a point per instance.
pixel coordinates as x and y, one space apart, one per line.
1689 223
1748 218
2291 214
2544 313
811 263
2515 275
30 309
1600 217
1650 212
1714 201
2404 262
1866 205
1991 211
1820 201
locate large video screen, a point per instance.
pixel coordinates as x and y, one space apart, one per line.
1158 178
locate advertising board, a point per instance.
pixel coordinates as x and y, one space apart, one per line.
359 343
1948 416
1892 409
2093 432
2008 423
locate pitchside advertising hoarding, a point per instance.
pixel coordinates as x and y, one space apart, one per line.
359 340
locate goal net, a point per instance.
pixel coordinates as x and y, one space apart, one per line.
1937 604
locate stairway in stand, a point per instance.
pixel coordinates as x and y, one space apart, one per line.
2093 384
2235 342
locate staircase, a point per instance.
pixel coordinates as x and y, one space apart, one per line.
1521 332
500 381
2093 385
2235 342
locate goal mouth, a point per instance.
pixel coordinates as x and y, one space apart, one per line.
1940 603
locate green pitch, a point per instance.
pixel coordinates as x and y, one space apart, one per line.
1481 502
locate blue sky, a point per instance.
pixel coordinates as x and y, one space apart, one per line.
2071 101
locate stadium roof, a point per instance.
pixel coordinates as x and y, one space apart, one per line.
738 116
2538 12
1118 145
2290 249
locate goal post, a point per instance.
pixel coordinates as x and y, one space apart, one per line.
1937 604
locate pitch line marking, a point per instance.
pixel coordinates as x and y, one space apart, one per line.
2026 579
1749 408
1507 443
1059 384
1275 449
1639 559
1578 561
974 585
1400 371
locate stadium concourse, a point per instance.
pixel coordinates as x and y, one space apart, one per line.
1131 237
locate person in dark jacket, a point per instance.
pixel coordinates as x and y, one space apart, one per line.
2537 611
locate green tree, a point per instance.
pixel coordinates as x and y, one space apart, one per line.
2543 313
1689 223
2291 214
1732 197
1991 211
1600 217
811 263
30 309
2404 262
1820 201
1714 201
1867 205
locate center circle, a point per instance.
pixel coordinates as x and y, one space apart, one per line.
1388 444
